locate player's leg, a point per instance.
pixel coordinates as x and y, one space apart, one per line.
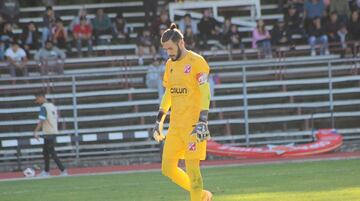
173 151
46 155
196 182
54 155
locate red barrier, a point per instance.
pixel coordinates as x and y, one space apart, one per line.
326 140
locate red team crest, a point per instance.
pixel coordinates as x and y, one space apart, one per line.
192 146
187 69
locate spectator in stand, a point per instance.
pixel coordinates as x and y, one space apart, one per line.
332 27
279 34
157 41
49 20
261 39
354 5
50 59
342 9
163 19
154 76
294 24
120 29
233 40
313 9
344 38
2 23
353 28
145 45
83 32
17 59
297 4
76 20
5 38
190 39
101 24
150 6
188 22
60 34
10 10
209 28
317 35
30 38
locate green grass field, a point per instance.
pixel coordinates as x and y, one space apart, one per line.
306 181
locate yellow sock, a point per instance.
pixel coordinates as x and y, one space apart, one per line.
196 182
177 175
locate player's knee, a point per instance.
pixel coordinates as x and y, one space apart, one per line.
196 183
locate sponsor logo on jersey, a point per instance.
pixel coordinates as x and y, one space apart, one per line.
187 69
192 146
179 91
202 78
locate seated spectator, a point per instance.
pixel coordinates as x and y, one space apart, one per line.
279 34
157 41
354 5
225 29
332 27
209 28
17 59
233 40
83 32
2 23
10 10
313 9
162 20
188 22
297 4
344 38
30 38
342 9
145 45
60 34
120 28
353 27
101 25
261 39
50 59
154 76
294 24
190 39
49 20
76 20
317 35
5 39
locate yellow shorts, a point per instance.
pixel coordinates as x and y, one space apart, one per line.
180 144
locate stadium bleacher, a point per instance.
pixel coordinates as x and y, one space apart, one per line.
286 99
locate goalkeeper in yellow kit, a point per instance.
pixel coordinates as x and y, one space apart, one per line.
187 92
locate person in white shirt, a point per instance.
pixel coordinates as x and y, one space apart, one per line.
48 122
17 59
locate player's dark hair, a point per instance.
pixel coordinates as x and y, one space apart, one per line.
172 33
40 93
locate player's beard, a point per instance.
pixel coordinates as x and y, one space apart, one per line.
178 54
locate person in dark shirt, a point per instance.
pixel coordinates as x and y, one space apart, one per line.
279 34
353 28
294 24
120 28
317 35
30 38
332 27
162 20
209 28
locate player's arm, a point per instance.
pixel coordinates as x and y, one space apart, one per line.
42 118
164 108
201 128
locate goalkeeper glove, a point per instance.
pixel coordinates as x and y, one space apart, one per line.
157 131
201 129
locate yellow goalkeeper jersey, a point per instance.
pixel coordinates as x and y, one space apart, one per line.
183 78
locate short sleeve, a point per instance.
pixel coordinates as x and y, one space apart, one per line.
166 75
42 113
202 71
22 53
